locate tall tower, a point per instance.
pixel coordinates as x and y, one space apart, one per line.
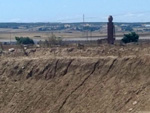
110 31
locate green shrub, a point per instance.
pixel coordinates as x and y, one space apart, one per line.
24 40
131 37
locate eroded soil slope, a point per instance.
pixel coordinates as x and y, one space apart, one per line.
104 84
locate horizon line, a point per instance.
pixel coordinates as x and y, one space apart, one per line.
70 22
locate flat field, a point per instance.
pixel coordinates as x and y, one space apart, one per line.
7 35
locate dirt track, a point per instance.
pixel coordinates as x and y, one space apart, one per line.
69 82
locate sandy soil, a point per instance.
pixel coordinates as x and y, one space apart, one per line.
104 79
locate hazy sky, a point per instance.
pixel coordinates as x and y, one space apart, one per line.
73 10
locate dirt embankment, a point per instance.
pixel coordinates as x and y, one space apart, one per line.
105 79
75 85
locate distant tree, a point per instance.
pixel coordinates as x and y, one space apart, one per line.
1 46
24 40
131 37
53 40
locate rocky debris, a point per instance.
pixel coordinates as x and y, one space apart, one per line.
135 102
130 109
11 50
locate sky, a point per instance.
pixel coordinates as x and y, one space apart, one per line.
73 10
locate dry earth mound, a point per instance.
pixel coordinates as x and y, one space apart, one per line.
102 84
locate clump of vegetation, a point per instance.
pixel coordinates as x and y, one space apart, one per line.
53 40
1 47
131 37
24 40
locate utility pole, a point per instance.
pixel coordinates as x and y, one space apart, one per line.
83 18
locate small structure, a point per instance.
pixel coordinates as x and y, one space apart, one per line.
110 31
